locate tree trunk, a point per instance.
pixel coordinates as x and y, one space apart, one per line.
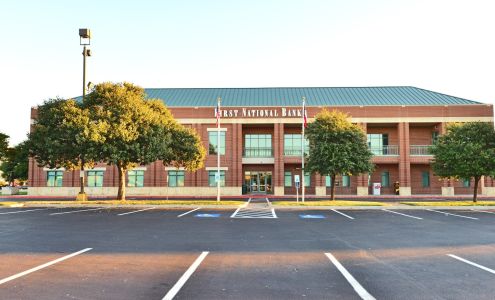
121 192
332 194
81 178
475 193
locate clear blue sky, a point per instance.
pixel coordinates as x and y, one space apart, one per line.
445 46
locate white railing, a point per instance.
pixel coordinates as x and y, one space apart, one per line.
385 150
420 150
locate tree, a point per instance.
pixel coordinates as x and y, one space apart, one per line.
4 145
466 151
337 147
65 137
15 165
140 131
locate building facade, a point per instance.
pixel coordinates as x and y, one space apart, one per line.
260 143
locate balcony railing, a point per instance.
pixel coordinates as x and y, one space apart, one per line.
294 151
420 150
385 150
257 152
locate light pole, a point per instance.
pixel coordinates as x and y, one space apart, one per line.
84 40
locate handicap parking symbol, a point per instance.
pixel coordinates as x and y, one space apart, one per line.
304 216
207 215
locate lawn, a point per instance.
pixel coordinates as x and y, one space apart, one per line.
137 202
328 203
450 203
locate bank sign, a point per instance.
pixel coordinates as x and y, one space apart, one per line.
282 112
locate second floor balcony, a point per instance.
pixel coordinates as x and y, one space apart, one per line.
390 150
420 150
257 152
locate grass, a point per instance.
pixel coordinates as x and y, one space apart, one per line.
139 202
328 203
450 203
9 203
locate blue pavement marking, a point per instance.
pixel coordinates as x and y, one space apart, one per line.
207 215
303 216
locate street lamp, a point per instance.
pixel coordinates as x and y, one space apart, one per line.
84 40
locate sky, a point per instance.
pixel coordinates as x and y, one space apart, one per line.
440 45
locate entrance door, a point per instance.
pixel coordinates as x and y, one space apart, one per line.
258 182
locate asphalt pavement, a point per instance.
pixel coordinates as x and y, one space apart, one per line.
213 253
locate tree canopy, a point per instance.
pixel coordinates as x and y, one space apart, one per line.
4 145
16 162
466 151
139 131
337 147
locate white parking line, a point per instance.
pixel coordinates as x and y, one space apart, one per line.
354 283
176 288
75 211
472 263
274 214
449 214
188 212
484 211
135 211
22 211
341 213
43 266
394 212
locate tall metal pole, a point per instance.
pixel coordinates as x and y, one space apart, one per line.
303 184
81 175
219 100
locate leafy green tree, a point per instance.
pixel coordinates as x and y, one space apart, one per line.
465 151
337 147
4 145
15 165
140 131
64 136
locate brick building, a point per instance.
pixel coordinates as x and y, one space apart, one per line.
260 143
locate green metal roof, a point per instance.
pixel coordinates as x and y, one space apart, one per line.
315 96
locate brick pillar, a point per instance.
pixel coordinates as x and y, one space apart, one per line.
240 144
404 159
278 154
362 180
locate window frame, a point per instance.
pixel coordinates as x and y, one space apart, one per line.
58 178
211 178
175 176
132 178
212 135
95 176
288 174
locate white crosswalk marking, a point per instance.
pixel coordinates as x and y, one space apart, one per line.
255 210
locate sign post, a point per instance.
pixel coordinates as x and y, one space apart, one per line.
297 183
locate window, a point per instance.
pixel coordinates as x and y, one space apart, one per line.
425 176
292 145
258 145
211 178
385 179
466 182
213 146
135 178
175 178
434 137
288 179
95 178
307 179
346 181
328 181
54 178
378 142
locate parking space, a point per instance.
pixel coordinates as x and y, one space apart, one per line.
142 253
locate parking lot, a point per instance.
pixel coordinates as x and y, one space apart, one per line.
204 253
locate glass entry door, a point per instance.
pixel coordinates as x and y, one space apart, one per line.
258 182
